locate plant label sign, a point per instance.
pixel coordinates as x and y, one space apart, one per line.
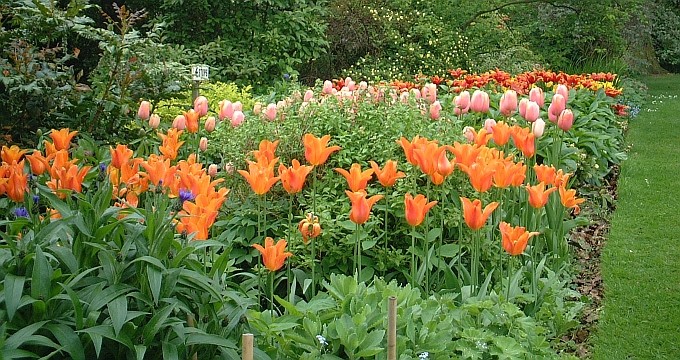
200 72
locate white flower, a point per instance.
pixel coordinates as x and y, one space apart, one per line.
322 340
424 355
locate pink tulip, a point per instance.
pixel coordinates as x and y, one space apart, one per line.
429 92
565 120
213 169
363 85
238 118
435 108
229 168
201 105
203 144
257 109
154 121
462 102
327 87
180 122
479 102
532 111
309 95
238 106
538 127
489 124
226 110
557 105
469 133
210 124
523 107
270 112
350 84
564 91
144 110
416 94
508 104
403 97
536 95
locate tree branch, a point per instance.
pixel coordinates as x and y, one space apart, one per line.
511 3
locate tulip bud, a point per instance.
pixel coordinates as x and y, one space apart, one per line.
564 91
363 85
203 144
201 105
144 110
489 124
536 95
523 107
556 107
403 97
210 124
238 106
270 112
257 109
180 122
309 95
226 110
463 101
538 127
229 168
430 92
416 93
435 108
212 170
327 87
479 102
237 119
469 133
508 103
565 120
532 111
154 121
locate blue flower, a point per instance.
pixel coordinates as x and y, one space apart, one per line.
21 212
286 76
36 199
186 194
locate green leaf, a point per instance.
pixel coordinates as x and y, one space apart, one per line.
77 305
155 281
68 339
201 338
156 323
140 350
65 256
41 276
369 346
367 244
107 295
14 287
23 335
434 234
118 313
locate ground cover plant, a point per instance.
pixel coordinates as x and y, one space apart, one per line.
178 243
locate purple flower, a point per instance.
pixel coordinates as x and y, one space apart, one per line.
186 194
21 212
102 167
36 199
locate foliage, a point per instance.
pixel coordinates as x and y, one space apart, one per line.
664 19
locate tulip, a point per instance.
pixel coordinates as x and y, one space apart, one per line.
462 102
260 177
180 122
515 239
435 108
210 124
327 87
293 177
62 138
532 112
191 118
538 127
201 106
309 95
475 217
356 179
403 98
480 174
171 143
237 118
416 94
317 150
229 168
489 125
545 173
257 108
273 256
213 169
563 90
508 103
266 151
416 208
238 106
507 172
431 93
479 102
203 144
270 112
566 120
144 110
309 227
363 85
536 95
466 154
389 175
524 139
569 199
538 195
12 154
556 107
500 133
39 163
469 133
361 206
226 110
154 121
120 155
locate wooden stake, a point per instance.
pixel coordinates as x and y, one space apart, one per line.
392 328
247 340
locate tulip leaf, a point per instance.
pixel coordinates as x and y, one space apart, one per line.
14 288
367 244
41 277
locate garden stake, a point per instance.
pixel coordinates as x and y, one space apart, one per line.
392 328
247 347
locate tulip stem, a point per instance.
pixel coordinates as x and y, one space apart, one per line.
387 205
357 242
290 238
313 240
271 293
413 255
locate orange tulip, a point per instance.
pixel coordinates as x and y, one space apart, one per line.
426 155
515 239
416 208
480 174
39 163
361 206
293 178
68 178
389 175
191 117
545 173
60 160
408 147
197 217
260 177
62 138
266 151
12 154
524 140
465 154
171 143
17 182
309 227
317 150
159 171
506 172
356 179
538 195
475 217
569 199
444 166
561 179
50 149
273 256
120 155
500 133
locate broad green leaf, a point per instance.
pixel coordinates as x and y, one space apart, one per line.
169 351
140 350
14 287
41 276
118 312
23 335
156 323
68 339
107 295
200 338
107 332
65 256
155 278
77 305
369 346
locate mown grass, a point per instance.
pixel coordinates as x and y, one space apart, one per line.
641 259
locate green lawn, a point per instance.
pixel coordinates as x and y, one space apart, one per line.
641 259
